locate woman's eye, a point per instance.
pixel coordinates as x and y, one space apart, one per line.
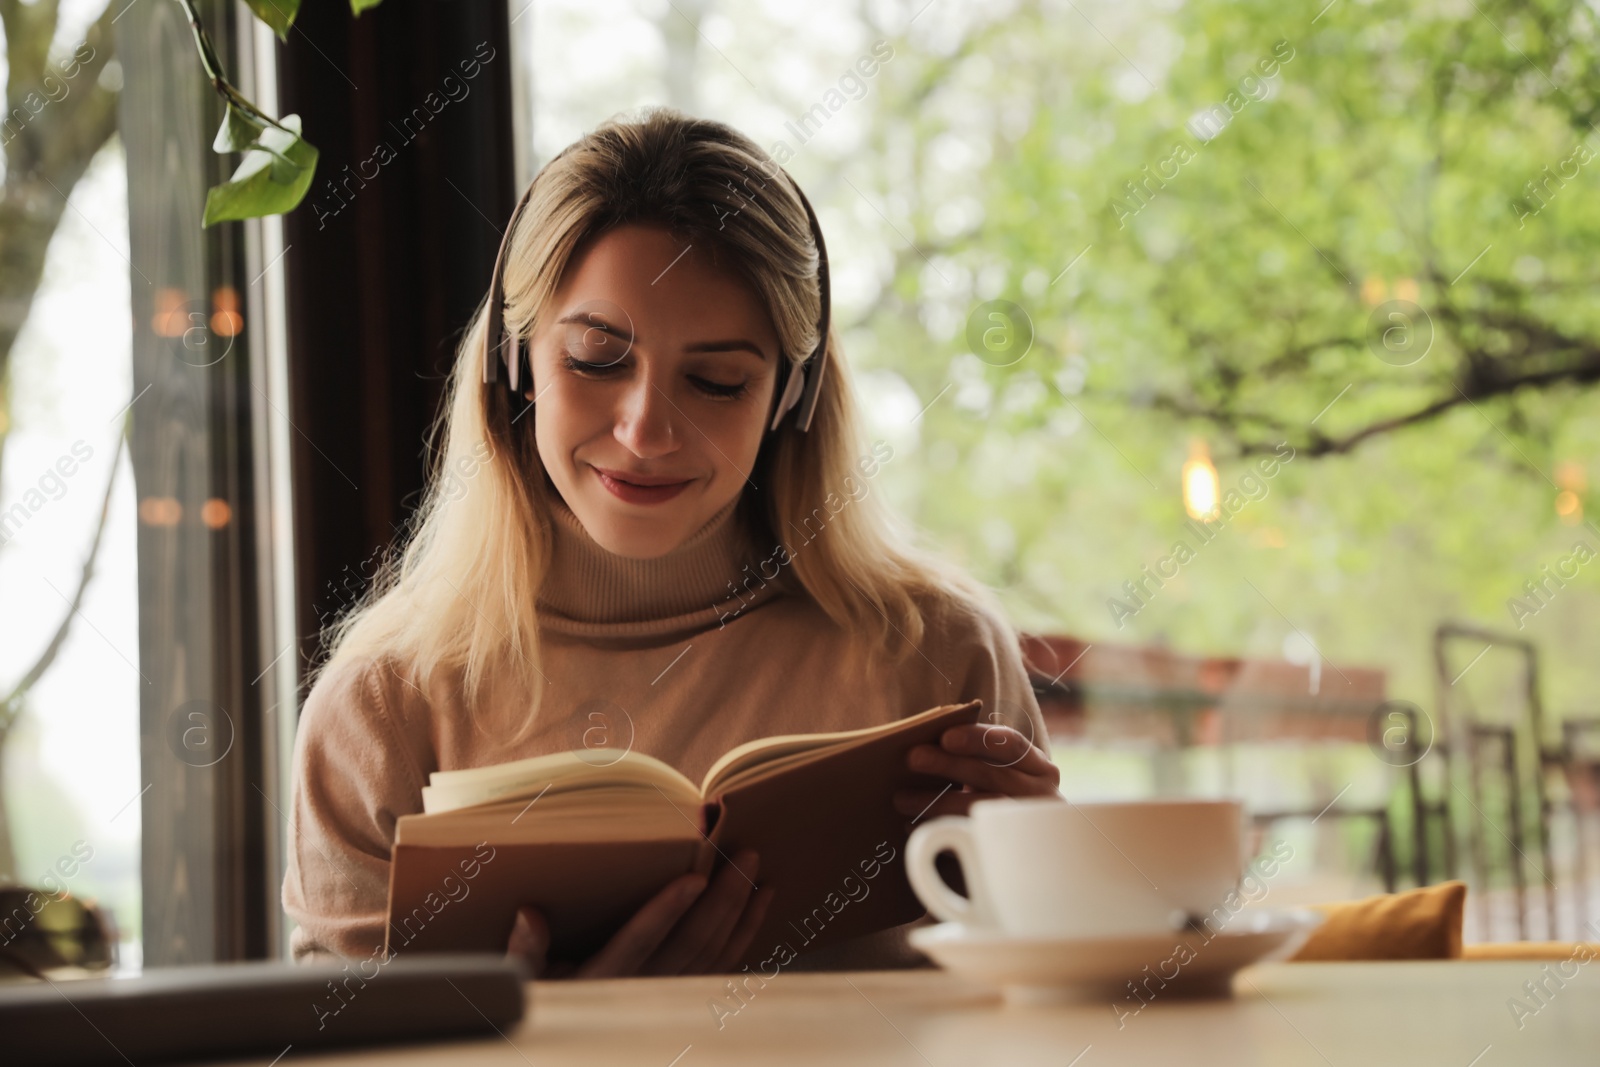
592 368
602 368
724 390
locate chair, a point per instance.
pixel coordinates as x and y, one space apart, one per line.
1509 753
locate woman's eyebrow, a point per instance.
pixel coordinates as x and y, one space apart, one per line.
736 344
593 321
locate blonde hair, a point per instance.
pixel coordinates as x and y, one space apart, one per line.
462 592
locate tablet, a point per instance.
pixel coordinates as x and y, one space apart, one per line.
259 1009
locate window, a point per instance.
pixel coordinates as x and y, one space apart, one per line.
139 493
1096 265
69 655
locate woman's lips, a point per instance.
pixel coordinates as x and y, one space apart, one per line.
619 485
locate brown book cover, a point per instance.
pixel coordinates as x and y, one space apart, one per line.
824 824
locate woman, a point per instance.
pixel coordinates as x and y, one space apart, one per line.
654 527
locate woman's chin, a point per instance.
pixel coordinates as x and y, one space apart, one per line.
624 531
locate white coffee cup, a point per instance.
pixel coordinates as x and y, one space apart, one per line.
1041 867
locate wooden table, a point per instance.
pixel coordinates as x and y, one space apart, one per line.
1450 1014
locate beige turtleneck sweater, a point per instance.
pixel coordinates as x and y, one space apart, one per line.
655 654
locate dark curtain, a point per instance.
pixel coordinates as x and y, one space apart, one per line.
409 106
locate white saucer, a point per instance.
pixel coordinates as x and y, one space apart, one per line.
1032 970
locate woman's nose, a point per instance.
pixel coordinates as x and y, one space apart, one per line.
647 420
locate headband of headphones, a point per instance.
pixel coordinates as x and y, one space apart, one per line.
798 387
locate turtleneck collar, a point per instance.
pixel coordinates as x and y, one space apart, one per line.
592 592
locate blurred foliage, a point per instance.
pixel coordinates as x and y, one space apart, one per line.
61 110
1239 294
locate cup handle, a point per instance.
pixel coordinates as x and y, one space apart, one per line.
926 842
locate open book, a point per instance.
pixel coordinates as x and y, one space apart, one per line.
589 836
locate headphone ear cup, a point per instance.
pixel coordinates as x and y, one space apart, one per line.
524 374
815 365
792 390
806 405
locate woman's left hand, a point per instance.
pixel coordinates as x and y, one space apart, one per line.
984 760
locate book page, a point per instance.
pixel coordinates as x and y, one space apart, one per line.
755 759
560 772
591 815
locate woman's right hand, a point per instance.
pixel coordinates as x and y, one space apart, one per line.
693 926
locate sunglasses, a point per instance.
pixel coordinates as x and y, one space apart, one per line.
42 932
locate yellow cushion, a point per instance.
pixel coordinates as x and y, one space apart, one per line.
1531 950
1419 924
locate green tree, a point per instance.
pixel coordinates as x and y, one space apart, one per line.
1348 258
60 112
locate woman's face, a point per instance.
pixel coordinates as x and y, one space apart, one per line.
653 375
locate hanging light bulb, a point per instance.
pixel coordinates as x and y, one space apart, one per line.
1569 505
1201 488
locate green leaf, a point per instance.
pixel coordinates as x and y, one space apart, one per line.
272 178
237 133
278 14
358 6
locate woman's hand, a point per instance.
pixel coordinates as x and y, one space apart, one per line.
693 926
986 760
